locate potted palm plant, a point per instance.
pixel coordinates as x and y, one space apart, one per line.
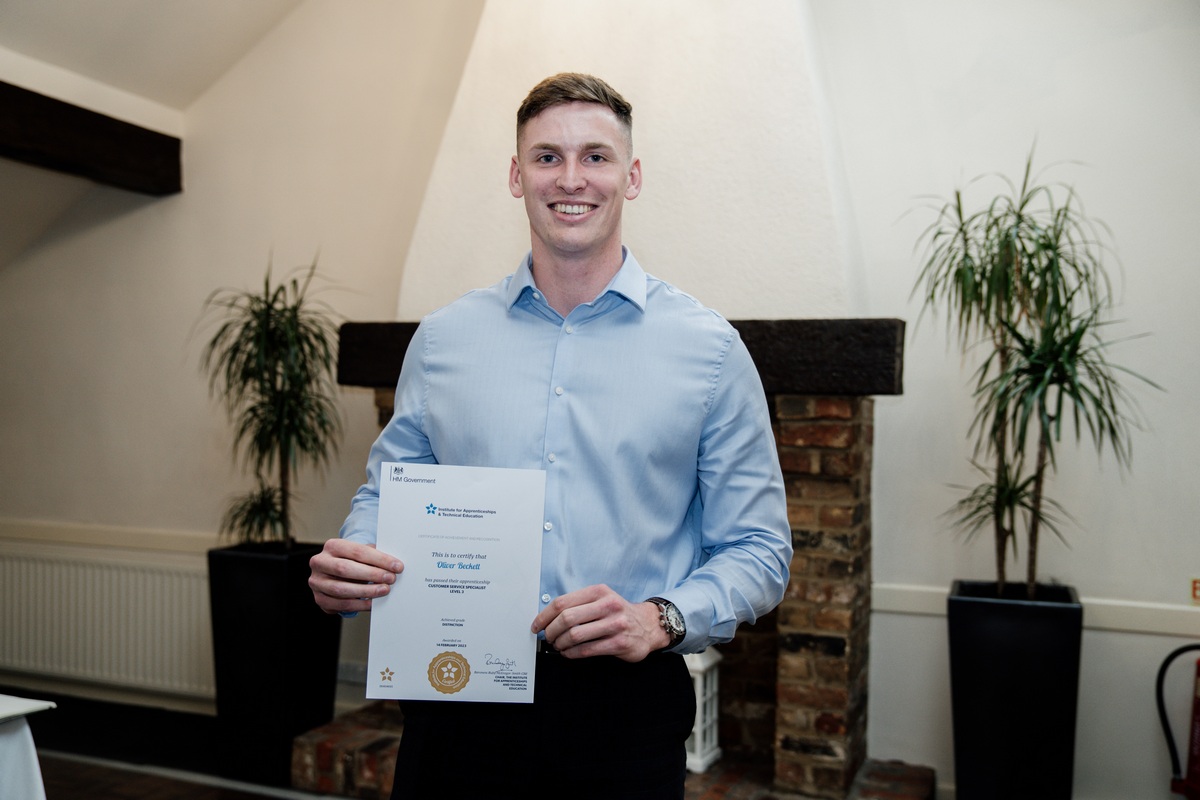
270 361
1024 277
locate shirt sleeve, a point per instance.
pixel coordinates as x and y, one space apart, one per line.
402 439
745 535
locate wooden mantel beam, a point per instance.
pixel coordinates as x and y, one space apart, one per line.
40 130
852 357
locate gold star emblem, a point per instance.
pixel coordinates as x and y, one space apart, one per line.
386 674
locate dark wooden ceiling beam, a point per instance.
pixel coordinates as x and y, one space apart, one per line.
40 130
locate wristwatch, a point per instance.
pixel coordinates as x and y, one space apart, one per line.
671 619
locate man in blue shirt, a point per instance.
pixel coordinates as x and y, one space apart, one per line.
665 522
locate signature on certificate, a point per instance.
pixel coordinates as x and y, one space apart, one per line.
501 664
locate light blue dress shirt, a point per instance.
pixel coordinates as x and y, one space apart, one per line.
646 413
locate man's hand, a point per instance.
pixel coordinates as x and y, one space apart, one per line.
346 575
597 621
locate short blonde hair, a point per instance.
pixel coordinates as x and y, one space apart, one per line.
574 87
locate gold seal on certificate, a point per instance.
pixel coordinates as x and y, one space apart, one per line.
449 672
455 625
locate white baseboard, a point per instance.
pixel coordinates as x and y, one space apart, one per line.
1099 613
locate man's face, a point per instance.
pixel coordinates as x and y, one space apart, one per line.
574 169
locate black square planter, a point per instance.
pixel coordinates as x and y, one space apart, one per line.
1014 684
275 654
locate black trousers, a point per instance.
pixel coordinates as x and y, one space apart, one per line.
598 728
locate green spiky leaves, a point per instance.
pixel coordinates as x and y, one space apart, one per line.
271 361
1025 275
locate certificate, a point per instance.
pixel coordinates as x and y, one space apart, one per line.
455 625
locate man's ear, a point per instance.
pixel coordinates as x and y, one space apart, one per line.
635 180
514 179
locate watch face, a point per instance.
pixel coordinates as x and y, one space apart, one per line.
675 619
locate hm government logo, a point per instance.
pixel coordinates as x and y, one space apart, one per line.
431 509
397 473
449 672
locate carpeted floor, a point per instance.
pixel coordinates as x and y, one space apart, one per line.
68 778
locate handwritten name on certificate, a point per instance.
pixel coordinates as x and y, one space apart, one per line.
455 625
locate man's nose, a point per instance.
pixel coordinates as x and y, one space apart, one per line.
571 178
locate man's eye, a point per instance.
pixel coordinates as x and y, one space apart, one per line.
594 158
546 158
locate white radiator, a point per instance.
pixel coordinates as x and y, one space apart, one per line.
140 624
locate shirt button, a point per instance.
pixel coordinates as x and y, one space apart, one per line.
537 295
551 458
558 390
549 526
569 329
545 598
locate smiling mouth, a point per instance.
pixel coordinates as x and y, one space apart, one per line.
566 208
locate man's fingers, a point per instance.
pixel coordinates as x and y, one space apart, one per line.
353 561
582 616
333 587
354 571
361 554
597 621
580 634
346 576
569 609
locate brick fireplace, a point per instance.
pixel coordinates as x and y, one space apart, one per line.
793 686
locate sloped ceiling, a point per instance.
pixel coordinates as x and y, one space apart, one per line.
166 51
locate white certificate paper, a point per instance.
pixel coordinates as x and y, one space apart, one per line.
455 625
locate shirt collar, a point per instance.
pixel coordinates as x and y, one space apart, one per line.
629 282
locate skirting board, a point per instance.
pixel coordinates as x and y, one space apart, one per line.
119 539
1101 614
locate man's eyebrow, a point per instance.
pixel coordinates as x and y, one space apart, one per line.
554 148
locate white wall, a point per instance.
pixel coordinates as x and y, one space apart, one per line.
735 206
766 196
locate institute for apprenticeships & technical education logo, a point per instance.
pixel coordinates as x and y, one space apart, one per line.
449 672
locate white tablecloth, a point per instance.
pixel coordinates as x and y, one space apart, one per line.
20 772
